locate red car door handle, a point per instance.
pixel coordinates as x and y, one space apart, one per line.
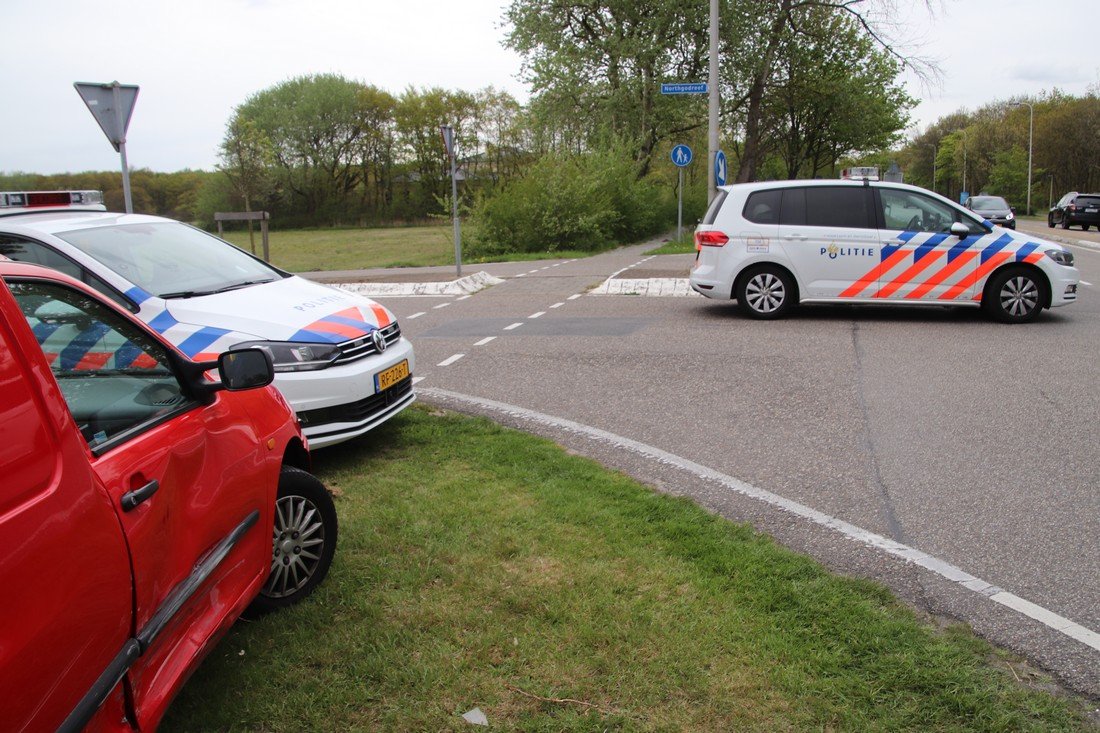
131 499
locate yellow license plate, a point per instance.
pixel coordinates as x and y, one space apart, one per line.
393 375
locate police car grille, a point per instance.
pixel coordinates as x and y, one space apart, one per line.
357 412
361 348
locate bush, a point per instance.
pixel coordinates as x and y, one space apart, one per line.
567 202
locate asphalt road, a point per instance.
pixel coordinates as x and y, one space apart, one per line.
847 433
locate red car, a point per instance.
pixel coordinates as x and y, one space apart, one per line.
146 502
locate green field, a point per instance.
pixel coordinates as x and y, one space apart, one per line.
483 567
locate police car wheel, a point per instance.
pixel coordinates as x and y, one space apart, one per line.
1015 295
303 541
765 292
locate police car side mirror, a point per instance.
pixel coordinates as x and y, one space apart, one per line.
960 230
1012 209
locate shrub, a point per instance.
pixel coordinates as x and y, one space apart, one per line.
567 202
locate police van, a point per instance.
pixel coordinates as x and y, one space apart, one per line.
773 245
340 359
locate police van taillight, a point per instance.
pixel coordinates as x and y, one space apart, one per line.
45 199
710 239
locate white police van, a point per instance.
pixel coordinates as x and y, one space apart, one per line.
340 359
773 245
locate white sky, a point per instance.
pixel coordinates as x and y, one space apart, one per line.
196 60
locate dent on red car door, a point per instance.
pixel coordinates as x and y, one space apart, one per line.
209 485
64 570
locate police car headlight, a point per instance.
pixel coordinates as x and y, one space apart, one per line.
288 356
1061 256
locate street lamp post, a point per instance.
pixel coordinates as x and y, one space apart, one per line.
1030 137
964 161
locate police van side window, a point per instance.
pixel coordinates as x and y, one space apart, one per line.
28 250
794 207
115 379
837 206
762 207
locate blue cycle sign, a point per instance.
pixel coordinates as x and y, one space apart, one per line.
720 168
681 155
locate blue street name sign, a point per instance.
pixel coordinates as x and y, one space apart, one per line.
691 88
719 168
681 155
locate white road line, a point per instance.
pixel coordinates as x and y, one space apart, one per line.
418 380
1083 282
533 316
557 305
415 315
574 297
524 274
464 297
441 305
485 340
944 569
513 327
450 360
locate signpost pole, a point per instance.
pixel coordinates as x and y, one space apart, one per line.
449 143
680 205
115 91
712 103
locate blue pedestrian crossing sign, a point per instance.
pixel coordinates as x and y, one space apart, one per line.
719 168
681 155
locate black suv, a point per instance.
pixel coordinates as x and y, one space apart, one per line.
1076 208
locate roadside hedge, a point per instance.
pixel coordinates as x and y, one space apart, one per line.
564 202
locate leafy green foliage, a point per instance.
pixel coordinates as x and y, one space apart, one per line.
579 202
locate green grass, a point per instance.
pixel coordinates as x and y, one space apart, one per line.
312 250
482 567
684 245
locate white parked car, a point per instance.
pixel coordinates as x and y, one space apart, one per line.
773 245
340 359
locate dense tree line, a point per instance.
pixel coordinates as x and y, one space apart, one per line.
989 149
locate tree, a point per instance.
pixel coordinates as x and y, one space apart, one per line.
247 157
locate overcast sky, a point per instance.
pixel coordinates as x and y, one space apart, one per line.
195 61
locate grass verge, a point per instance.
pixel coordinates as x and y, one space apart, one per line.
322 250
483 567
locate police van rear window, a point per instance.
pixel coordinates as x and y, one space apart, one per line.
715 205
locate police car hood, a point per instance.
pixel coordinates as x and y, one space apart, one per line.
289 309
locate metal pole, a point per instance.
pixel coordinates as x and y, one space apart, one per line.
712 107
1030 133
680 204
122 148
454 213
964 160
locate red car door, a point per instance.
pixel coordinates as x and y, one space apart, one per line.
65 570
189 482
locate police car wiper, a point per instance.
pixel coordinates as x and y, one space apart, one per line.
238 286
200 293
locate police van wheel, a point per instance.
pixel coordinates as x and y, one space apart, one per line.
765 292
303 541
1015 295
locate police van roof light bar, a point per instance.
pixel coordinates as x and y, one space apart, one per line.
44 199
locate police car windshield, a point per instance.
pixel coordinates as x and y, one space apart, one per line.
169 259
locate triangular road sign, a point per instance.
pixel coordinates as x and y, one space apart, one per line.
111 105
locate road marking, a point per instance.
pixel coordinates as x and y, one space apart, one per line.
417 380
415 315
533 316
522 274
450 360
944 569
1083 282
464 297
485 340
557 305
574 297
441 305
513 327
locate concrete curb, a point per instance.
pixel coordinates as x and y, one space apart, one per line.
463 286
673 287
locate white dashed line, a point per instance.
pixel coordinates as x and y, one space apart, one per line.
450 360
557 305
574 297
418 380
485 340
944 569
513 327
1087 283
415 315
441 305
522 274
464 297
533 316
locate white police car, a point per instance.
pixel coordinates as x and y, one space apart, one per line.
340 359
773 245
